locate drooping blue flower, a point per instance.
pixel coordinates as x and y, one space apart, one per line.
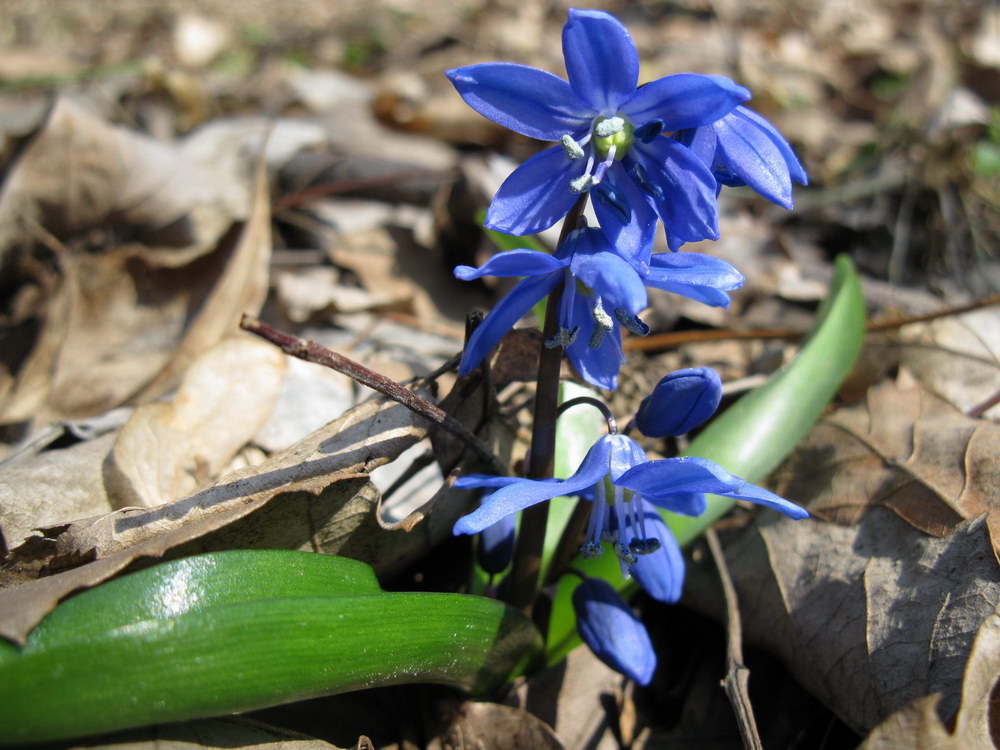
612 631
681 401
611 137
742 148
616 476
602 291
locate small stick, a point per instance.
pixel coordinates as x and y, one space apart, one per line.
737 679
674 338
310 351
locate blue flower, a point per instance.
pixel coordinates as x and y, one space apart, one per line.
496 543
681 401
617 476
602 292
743 148
609 133
612 631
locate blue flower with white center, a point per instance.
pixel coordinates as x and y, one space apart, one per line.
612 631
602 292
611 138
743 148
617 477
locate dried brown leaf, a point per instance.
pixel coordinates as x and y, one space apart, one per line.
168 450
868 617
977 727
491 726
957 358
903 448
80 171
112 329
53 486
226 732
336 459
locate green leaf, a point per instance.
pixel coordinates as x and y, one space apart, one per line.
751 437
235 631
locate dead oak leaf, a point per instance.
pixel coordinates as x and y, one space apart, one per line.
903 448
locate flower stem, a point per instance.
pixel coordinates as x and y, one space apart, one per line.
531 537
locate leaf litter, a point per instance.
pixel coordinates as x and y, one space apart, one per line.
128 258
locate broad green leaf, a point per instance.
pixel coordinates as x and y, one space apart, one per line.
753 436
202 639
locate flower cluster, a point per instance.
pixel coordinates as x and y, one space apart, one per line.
645 155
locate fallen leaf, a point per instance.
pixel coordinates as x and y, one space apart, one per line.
80 171
957 358
868 617
226 732
976 727
336 459
904 448
168 450
53 486
123 325
491 726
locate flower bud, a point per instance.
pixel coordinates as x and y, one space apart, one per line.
680 402
612 631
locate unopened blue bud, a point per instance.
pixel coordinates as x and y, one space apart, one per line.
612 631
680 402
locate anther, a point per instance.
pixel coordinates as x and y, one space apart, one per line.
573 149
607 128
591 549
632 322
581 184
602 325
625 555
610 198
644 546
649 130
564 338
643 181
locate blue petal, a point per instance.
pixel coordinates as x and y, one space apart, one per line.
599 366
503 317
661 573
601 59
632 238
517 262
688 205
475 481
685 100
524 493
523 99
612 278
681 401
625 453
698 276
657 480
754 151
615 635
496 543
536 195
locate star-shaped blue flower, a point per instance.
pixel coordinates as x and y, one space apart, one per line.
743 148
602 292
617 477
611 136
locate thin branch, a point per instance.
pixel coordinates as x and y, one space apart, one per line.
671 339
737 679
310 351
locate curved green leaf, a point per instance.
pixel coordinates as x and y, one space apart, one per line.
754 435
117 660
